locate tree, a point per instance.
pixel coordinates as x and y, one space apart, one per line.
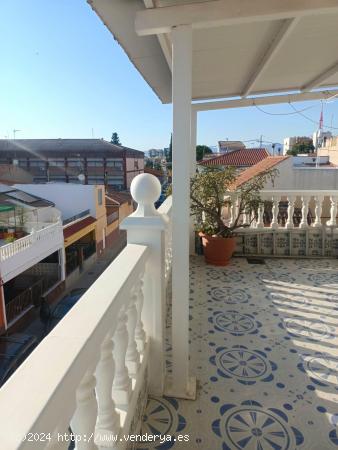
301 148
149 164
210 192
157 166
115 139
202 150
170 152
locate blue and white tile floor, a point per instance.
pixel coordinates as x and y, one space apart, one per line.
264 349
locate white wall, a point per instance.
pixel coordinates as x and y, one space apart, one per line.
70 199
310 178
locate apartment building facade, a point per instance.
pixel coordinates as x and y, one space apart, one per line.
79 161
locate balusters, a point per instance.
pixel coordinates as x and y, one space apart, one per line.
274 210
305 202
233 209
108 421
122 383
318 211
84 419
260 212
289 222
60 437
333 212
140 334
132 355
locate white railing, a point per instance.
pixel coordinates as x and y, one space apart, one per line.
93 371
19 245
166 208
289 223
290 209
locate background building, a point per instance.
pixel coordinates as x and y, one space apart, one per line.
289 142
229 146
81 161
31 254
321 138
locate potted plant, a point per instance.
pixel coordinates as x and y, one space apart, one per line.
211 200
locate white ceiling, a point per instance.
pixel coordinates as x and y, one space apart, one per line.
225 58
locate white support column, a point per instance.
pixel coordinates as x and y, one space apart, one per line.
193 137
182 386
147 227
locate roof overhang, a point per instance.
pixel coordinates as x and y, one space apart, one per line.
241 48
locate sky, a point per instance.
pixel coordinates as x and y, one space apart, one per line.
62 75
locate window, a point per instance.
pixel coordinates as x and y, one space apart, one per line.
75 163
95 180
37 163
118 165
136 163
56 162
94 162
99 196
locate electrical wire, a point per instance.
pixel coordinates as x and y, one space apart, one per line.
295 111
309 118
281 114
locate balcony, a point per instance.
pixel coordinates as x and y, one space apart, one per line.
262 346
21 254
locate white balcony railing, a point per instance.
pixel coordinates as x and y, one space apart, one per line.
289 223
23 253
165 208
44 234
93 371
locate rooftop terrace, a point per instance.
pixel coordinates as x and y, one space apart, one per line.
263 346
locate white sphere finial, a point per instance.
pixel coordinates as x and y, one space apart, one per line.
145 189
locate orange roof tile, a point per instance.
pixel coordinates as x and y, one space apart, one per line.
243 157
262 166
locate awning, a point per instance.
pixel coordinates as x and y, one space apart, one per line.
77 230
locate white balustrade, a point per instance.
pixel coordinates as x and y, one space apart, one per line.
140 334
305 205
21 244
150 227
318 210
260 212
289 222
165 209
108 419
274 210
84 419
132 354
294 206
122 381
85 357
333 211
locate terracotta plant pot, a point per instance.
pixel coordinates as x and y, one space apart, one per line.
218 250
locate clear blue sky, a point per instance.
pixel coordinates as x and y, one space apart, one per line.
62 75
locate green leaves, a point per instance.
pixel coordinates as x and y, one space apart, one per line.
211 193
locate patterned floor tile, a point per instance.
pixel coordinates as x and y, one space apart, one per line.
264 350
